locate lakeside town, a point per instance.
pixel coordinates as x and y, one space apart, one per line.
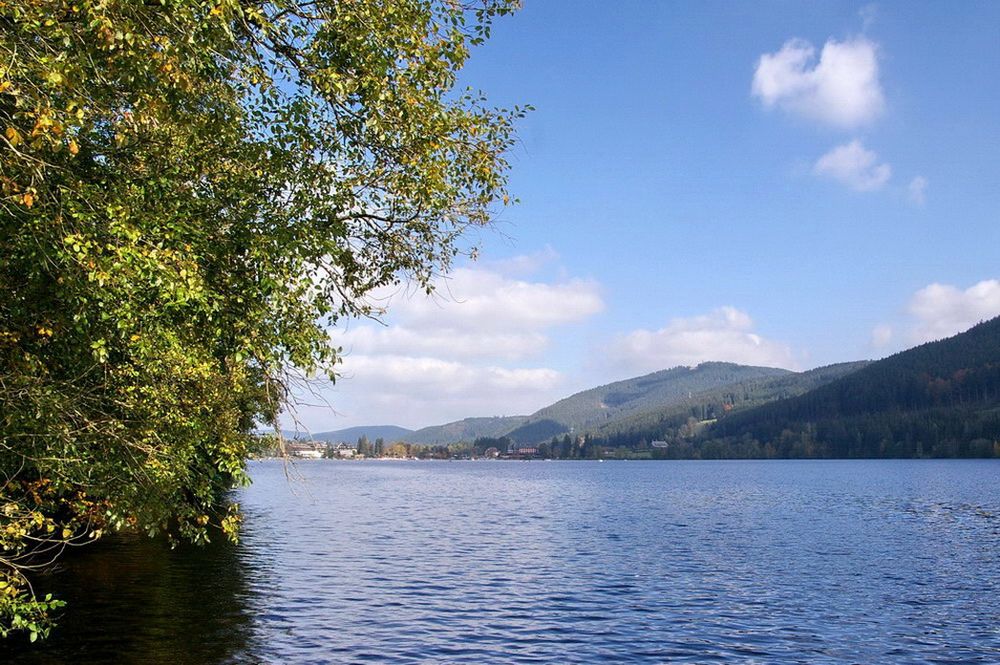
401 450
566 447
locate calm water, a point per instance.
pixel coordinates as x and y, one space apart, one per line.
494 562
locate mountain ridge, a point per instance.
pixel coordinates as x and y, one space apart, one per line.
587 409
467 429
372 432
940 398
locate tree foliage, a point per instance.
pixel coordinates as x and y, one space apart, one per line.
191 192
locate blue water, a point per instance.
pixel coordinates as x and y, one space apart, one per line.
563 562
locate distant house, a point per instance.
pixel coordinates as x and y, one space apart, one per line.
343 451
526 452
305 449
660 444
491 452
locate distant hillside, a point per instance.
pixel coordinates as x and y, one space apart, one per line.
352 434
938 399
582 411
465 430
595 407
652 424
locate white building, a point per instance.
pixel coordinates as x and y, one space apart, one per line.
343 450
305 449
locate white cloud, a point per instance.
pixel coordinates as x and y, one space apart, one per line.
480 299
417 391
475 313
842 88
917 190
881 336
524 264
434 378
855 166
942 310
441 342
469 349
725 334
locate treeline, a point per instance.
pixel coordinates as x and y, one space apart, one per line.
941 399
943 433
929 433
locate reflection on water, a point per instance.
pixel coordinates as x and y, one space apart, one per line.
494 562
132 600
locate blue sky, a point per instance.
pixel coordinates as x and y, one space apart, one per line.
777 183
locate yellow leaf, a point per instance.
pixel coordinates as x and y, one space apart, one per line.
13 136
28 199
73 147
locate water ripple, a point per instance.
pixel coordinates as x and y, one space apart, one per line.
797 562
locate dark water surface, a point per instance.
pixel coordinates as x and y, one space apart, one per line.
562 562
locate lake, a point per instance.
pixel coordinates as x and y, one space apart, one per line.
561 562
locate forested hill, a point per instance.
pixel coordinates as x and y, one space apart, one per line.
941 398
657 422
591 408
938 399
467 429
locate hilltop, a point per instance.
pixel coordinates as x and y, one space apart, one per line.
467 429
937 399
598 406
715 403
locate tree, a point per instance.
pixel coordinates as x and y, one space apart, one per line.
398 449
191 193
365 447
